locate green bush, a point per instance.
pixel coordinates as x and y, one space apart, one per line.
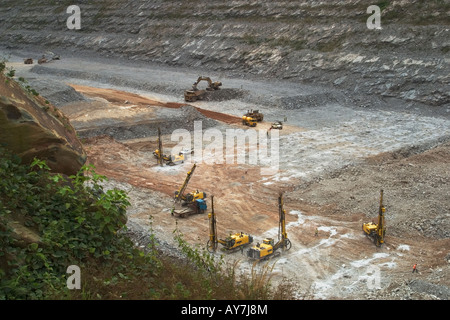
72 218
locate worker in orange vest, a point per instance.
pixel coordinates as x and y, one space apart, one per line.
415 268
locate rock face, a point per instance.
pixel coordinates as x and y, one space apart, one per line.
31 127
310 41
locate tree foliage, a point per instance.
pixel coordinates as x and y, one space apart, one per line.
67 220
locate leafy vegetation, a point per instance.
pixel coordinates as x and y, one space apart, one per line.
49 221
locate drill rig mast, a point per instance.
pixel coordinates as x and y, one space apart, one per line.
159 152
269 249
376 231
193 202
169 159
230 243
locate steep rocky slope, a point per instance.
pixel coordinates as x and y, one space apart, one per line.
305 41
32 127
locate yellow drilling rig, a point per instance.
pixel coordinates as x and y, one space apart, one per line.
376 231
231 243
193 202
161 158
269 249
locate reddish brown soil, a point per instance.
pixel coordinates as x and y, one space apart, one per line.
338 205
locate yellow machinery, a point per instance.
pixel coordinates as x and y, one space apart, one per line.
249 121
193 202
268 249
190 197
255 114
376 231
231 243
158 154
162 158
196 94
170 160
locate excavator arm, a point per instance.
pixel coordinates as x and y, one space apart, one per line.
195 94
211 85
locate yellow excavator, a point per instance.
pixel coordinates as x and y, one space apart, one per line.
193 202
195 94
269 249
231 243
376 231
